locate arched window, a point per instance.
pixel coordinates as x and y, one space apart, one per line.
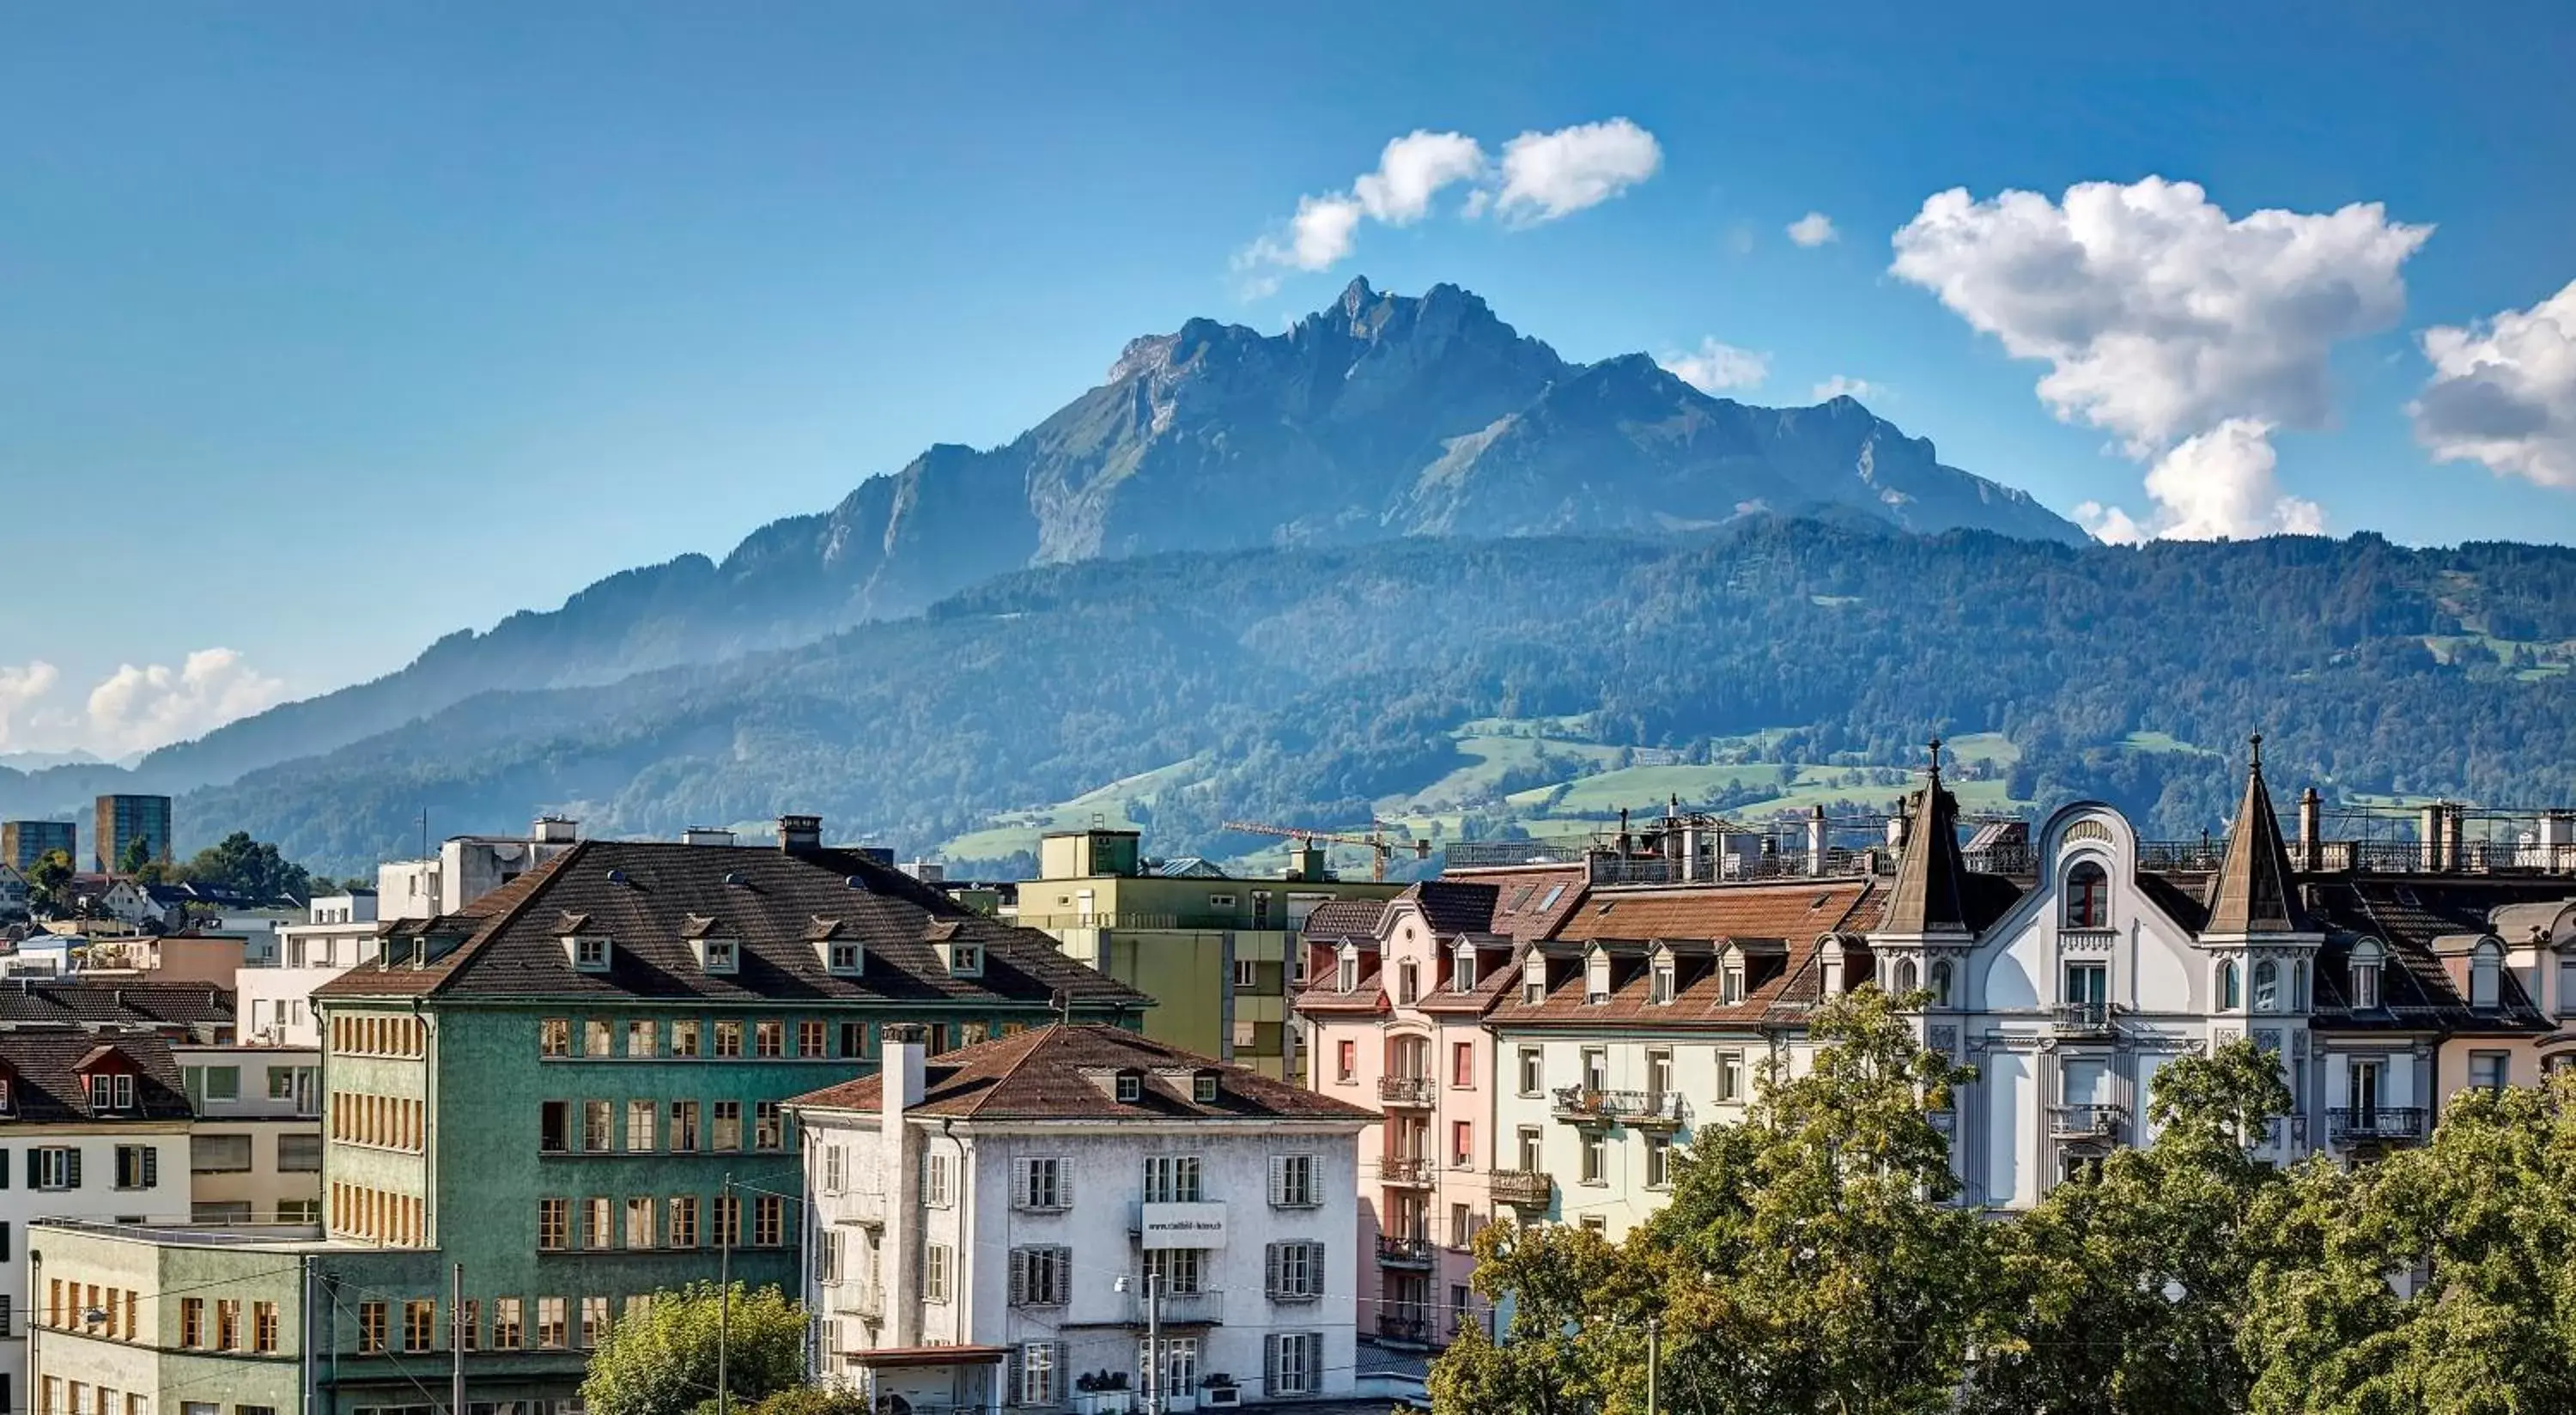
1907 979
2484 967
2365 975
2088 897
2299 986
2267 986
1941 983
2230 986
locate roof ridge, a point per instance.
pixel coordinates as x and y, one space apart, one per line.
471 951
1038 1037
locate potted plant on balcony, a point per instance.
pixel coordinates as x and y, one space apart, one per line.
1220 1392
1100 1393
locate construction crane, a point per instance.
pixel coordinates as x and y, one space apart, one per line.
1375 842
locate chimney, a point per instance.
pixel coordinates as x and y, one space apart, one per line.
2312 848
2430 828
1690 850
797 834
1896 829
899 1087
554 830
706 835
2557 841
1816 840
2455 844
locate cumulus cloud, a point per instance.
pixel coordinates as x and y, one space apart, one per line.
1840 386
1542 176
1548 175
134 709
2504 392
1716 367
2163 319
1813 229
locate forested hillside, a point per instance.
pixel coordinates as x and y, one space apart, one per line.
1313 685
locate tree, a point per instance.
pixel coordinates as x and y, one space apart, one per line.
2122 1292
1578 1308
48 883
811 1400
251 868
663 1362
2440 1279
135 857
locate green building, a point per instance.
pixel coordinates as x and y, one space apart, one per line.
572 1089
1216 952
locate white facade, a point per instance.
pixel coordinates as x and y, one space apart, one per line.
255 1147
275 1003
98 1195
1030 1237
466 868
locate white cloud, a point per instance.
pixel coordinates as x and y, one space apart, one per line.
2504 392
1840 386
1548 175
1542 176
1716 367
1813 229
2163 320
2218 485
135 708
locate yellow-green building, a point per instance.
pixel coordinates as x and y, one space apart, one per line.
1218 953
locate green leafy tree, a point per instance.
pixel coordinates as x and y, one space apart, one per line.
253 868
49 883
811 1400
1577 1312
663 1362
2123 1291
134 858
2439 1280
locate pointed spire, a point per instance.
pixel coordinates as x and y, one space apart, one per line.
2253 893
1930 895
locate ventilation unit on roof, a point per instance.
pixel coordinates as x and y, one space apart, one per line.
736 877
856 882
617 877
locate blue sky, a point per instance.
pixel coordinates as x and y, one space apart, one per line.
328 329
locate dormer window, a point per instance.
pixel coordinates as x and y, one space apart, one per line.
1346 972
1130 1087
1659 985
844 958
1596 978
6 1105
1462 971
1407 976
718 956
1203 1087
2486 965
2366 959
588 953
965 960
1730 980
1534 982
111 1092
2088 897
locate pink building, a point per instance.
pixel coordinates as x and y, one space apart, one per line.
1394 1008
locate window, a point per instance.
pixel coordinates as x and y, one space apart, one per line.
192 1320
598 1223
1295 1271
508 1329
1346 1061
684 1126
371 1325
1039 1184
1659 1074
1247 975
116 1091
1179 1272
1907 977
642 1038
1041 1277
594 1322
1941 983
219 1154
550 1323
596 1117
768 1220
726 1131
769 1039
1462 1064
1292 1182
1462 1226
836 1169
1659 1161
2230 986
1596 1069
1172 1179
1730 984
1596 1158
263 1327
1462 971
721 955
590 955
2087 984
1203 1088
1037 1384
2488 1070
2267 986
1293 1364
965 960
139 1166
1533 1150
1659 987
1346 973
2485 966
1407 982
1534 982
419 1316
554 1225
554 1037
809 1038
844 956
1533 1070
2088 897
639 1126
1596 979
1130 1088
728 1039
684 1039
684 1221
855 1040
299 1154
934 1273
223 1083
639 1223
768 1126
598 1038
934 1181
1462 1144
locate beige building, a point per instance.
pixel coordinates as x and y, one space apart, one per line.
128 1320
255 1147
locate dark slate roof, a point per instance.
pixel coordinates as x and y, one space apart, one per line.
1046 1073
1338 919
1930 895
2252 893
46 1086
25 1001
649 898
2408 914
1454 907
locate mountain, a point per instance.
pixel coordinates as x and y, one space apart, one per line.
1542 682
1382 416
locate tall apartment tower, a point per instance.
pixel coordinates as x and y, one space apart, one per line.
23 843
122 820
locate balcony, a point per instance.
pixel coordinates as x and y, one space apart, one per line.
1405 1252
1412 1173
2081 1019
1523 1188
2096 1123
2376 1125
865 1300
1405 1090
864 1207
1404 1330
1646 1110
1179 1309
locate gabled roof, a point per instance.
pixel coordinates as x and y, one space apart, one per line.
47 1083
35 1001
1454 907
2252 892
650 898
1781 921
1338 919
2416 992
1930 895
1047 1073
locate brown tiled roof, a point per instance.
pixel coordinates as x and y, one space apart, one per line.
2252 893
1782 910
1779 922
191 1006
1532 902
46 1087
1047 1073
1337 919
646 897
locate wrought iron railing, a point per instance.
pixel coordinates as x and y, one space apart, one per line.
1395 1327
2387 1122
2081 1019
1408 1252
1404 1171
1564 850
2087 1122
1522 1188
1582 1103
1405 1090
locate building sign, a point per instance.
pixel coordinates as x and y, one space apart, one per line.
1184 1225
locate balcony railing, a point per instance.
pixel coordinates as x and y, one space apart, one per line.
1416 1172
2082 1019
859 1299
1405 1252
1415 1331
1523 1188
1178 1308
1644 1109
2375 1123
1405 1090
2087 1122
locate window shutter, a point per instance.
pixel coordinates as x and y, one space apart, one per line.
35 1168
1014 1377
1270 1264
1023 1181
1270 1365
1019 1276
151 1166
73 1155
1278 1180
